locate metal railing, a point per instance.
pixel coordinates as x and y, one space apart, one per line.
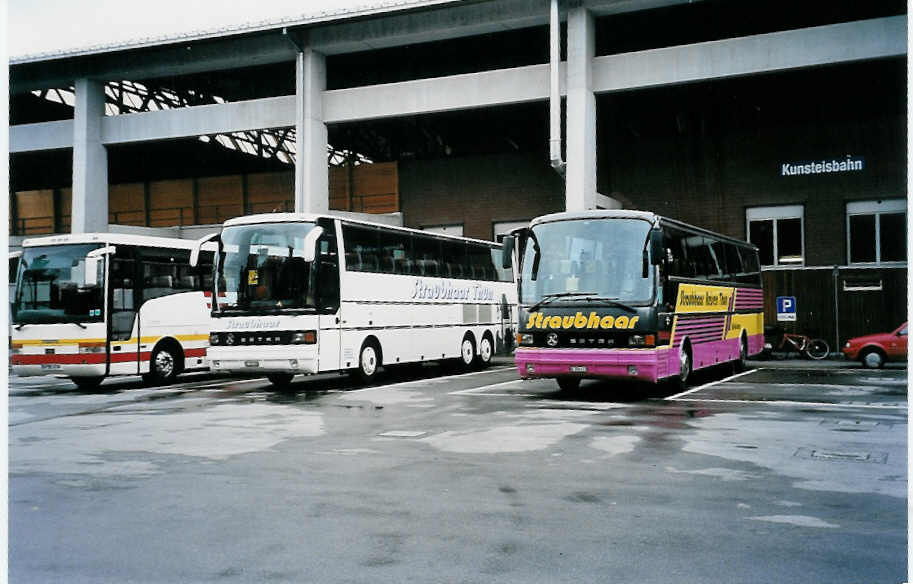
163 217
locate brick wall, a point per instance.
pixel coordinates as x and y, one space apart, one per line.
478 191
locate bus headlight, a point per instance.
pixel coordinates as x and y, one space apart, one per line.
524 339
213 338
304 337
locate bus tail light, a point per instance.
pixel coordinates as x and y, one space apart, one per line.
642 341
304 337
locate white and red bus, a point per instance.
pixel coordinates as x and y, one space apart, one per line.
299 293
87 306
633 295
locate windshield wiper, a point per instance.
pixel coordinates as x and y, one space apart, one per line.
77 323
611 301
546 298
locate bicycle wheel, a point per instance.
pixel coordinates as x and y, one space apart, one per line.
817 349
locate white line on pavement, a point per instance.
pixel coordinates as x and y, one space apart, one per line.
430 379
796 403
711 384
485 388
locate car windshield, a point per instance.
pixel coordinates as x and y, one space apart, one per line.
261 269
51 287
586 258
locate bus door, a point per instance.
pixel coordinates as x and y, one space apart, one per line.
123 303
325 281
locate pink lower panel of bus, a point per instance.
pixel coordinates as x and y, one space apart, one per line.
642 364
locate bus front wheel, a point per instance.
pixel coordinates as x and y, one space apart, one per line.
280 380
163 367
87 383
369 360
568 383
684 366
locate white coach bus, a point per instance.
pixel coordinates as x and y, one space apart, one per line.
92 305
297 293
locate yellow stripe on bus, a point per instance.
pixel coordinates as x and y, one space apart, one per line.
700 298
57 342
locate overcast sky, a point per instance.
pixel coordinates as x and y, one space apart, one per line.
42 26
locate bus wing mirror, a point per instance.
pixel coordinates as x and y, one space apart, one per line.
507 251
657 250
93 262
197 246
310 243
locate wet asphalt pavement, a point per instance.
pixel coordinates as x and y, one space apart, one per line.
788 472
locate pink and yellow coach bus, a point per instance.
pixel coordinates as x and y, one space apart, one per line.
632 295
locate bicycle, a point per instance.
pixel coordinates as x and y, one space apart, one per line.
810 348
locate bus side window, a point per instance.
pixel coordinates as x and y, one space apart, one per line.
480 262
456 258
733 262
677 258
426 250
718 253
395 253
751 267
361 248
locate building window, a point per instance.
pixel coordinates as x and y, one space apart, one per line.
876 231
779 234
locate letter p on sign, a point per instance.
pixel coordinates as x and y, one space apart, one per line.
786 308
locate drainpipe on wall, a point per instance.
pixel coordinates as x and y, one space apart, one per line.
554 95
837 344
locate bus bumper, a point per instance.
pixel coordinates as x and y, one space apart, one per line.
640 364
263 360
23 368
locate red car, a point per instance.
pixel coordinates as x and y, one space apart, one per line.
874 350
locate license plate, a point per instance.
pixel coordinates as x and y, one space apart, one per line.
50 366
251 363
578 369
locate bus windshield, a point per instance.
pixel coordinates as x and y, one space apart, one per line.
52 286
261 269
596 258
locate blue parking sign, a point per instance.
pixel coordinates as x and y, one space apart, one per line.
786 308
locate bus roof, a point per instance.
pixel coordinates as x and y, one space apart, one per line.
627 214
109 238
313 217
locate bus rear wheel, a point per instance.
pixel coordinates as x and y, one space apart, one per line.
467 352
87 383
486 350
741 364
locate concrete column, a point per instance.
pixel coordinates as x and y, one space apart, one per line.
580 193
312 184
90 160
